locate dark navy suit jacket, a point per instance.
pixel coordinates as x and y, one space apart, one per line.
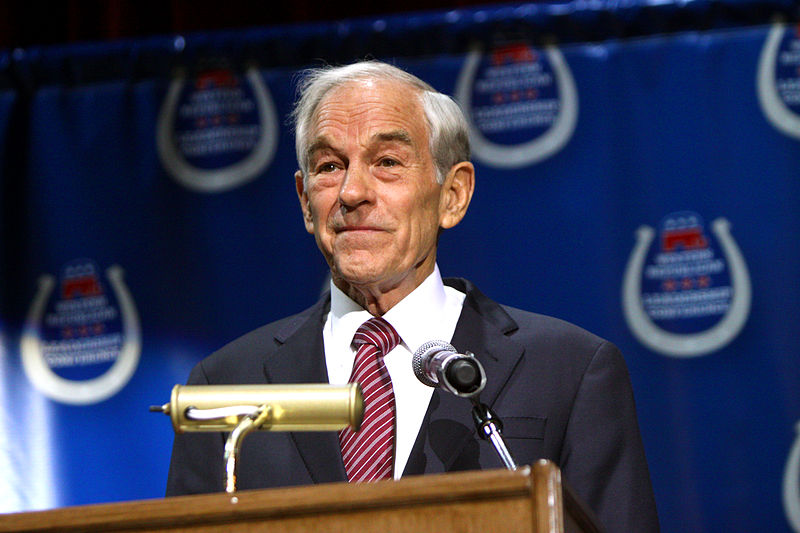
562 393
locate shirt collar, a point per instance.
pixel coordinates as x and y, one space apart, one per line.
416 318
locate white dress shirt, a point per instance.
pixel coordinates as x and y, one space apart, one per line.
430 312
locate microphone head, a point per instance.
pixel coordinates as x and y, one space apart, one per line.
465 376
423 354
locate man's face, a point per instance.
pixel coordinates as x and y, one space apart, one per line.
371 198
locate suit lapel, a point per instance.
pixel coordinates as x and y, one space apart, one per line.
485 329
447 432
299 358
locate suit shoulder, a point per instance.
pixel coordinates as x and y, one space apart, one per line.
245 355
547 333
550 339
548 325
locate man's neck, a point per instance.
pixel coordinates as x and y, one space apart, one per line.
378 298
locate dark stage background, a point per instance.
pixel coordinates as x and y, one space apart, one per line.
637 167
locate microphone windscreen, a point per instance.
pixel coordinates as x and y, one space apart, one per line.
423 355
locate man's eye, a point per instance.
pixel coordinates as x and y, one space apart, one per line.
388 162
326 167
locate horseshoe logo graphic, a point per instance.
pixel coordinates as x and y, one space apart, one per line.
791 484
221 179
694 344
542 146
85 391
774 107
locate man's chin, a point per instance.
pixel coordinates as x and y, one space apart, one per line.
355 277
360 274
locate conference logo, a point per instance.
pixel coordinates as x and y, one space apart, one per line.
791 484
689 293
520 102
779 79
82 341
218 130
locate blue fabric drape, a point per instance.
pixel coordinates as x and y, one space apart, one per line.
637 168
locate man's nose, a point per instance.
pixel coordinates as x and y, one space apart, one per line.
356 187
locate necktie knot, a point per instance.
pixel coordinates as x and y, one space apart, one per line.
377 332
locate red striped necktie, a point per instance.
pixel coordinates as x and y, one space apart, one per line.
369 454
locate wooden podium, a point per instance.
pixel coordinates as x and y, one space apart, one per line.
532 499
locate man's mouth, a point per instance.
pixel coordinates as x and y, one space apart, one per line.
355 228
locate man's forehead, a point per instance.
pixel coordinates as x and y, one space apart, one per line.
370 111
371 99
400 136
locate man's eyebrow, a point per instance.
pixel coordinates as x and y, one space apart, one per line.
401 136
319 143
394 135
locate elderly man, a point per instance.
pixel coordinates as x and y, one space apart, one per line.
384 168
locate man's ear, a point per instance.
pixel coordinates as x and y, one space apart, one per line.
305 206
456 194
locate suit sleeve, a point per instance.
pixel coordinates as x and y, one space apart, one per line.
603 457
197 458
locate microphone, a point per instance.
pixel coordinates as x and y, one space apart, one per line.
438 364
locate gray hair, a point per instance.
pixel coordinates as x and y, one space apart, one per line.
447 128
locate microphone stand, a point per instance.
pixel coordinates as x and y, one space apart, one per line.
463 375
490 427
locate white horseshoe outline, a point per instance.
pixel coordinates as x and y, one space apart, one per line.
695 344
218 180
91 390
535 150
791 484
777 112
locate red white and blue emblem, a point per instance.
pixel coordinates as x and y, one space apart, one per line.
81 342
218 130
779 79
520 102
681 297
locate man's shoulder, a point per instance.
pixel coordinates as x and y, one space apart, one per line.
549 340
244 356
521 324
560 342
549 328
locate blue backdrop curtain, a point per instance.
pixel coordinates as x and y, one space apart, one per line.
637 169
